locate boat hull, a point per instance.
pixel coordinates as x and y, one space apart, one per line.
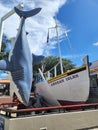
42 88
73 88
70 88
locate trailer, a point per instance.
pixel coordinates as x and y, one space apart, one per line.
73 117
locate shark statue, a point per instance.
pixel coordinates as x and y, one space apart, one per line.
19 63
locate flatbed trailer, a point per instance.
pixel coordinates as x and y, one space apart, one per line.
73 117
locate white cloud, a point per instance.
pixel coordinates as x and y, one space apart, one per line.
74 56
37 26
95 44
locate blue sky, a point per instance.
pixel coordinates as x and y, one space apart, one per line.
78 16
81 16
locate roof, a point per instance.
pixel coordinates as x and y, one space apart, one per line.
4 81
94 64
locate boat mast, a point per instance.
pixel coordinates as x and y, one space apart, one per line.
59 50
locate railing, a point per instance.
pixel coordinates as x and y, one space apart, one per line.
48 110
7 104
52 72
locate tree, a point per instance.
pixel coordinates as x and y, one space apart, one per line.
49 62
4 54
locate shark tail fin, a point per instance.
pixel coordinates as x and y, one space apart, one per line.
26 14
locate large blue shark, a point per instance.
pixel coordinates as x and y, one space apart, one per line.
19 62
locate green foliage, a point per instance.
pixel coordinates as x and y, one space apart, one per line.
4 54
49 62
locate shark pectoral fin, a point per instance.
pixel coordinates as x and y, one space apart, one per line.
4 64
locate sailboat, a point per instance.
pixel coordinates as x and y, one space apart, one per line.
67 88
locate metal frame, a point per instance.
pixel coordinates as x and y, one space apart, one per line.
4 18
